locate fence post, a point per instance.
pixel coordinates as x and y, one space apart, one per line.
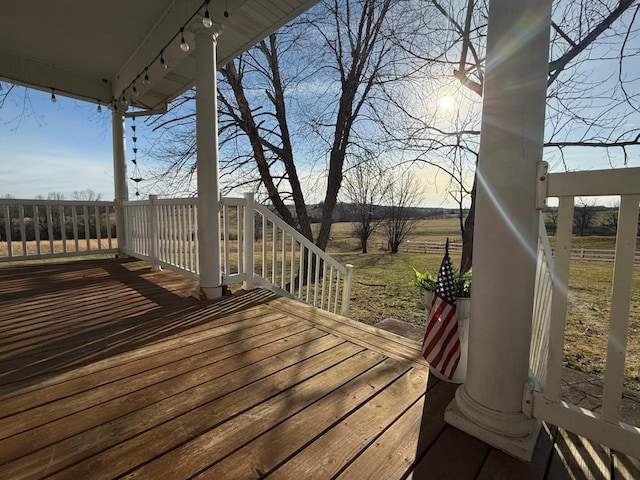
153 220
248 238
346 291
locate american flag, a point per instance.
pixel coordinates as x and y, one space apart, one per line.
441 344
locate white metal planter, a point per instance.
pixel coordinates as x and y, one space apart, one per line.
463 306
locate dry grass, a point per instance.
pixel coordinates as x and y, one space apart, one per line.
383 287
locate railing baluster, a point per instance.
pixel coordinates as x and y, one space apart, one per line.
620 306
292 280
50 228
335 304
559 298
316 280
225 219
283 271
274 240
87 226
63 228
264 247
7 230
330 288
23 230
36 228
301 272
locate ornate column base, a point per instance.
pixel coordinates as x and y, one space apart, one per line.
513 433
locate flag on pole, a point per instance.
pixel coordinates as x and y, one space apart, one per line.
441 344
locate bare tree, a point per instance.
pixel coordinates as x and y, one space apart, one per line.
292 104
584 214
365 188
403 195
585 36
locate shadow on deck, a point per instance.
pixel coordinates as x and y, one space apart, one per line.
108 370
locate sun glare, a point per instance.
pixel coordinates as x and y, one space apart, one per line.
447 102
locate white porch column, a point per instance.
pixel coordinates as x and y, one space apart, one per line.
489 405
207 164
120 181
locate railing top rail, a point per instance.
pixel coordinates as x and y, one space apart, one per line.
233 201
22 201
616 181
300 238
162 201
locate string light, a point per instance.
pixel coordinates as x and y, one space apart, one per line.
99 108
206 21
184 46
163 63
53 95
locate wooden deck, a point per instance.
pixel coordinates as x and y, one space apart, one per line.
108 370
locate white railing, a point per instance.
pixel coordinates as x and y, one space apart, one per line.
257 248
164 232
605 426
281 259
539 352
34 229
298 268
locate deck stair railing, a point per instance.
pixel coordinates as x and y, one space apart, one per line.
257 247
603 426
38 229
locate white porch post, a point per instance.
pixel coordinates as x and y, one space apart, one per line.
120 183
207 163
490 405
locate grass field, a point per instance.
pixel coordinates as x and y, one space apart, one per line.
383 288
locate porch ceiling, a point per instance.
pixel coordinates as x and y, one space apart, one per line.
94 50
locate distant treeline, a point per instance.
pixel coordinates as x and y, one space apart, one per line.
347 212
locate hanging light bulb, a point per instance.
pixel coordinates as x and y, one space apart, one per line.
184 46
146 80
163 63
206 21
124 101
53 95
226 10
99 108
135 90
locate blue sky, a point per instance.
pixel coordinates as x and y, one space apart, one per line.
57 147
66 146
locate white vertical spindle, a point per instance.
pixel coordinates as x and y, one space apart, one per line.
87 226
36 228
620 305
559 299
249 239
50 228
23 230
7 229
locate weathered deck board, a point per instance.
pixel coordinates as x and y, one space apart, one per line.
108 370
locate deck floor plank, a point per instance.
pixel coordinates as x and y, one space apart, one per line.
455 456
197 423
109 370
132 413
395 452
281 442
577 458
339 446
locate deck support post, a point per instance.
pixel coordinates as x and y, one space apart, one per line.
207 163
120 181
490 405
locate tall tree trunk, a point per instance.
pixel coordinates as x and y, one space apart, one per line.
467 233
